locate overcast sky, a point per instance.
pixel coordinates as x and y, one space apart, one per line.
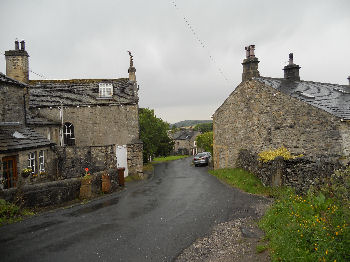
178 77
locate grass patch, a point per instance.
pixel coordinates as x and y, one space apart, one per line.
242 179
167 158
261 248
10 213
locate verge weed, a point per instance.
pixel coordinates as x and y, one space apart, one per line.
10 213
313 227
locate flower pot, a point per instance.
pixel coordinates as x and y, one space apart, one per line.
85 188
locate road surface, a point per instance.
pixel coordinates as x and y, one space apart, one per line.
151 220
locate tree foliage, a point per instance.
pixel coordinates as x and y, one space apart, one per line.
205 141
204 127
153 133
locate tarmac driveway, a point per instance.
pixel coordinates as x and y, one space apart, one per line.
151 220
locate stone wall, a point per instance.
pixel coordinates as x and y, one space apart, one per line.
12 103
44 194
257 117
135 158
299 173
56 192
72 161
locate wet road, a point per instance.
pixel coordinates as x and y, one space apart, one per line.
152 220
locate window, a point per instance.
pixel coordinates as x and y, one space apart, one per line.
194 143
105 90
68 134
41 161
31 161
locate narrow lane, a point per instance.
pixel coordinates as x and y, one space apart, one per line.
152 220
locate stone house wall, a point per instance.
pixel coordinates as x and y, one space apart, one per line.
257 117
50 173
12 103
95 125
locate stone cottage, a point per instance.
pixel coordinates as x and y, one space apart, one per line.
20 146
262 113
77 123
185 142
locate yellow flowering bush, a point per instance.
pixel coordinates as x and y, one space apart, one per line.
270 155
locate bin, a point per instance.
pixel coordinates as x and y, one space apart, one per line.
121 176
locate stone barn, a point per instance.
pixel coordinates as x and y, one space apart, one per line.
263 113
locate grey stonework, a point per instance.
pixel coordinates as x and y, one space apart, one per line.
299 173
94 125
258 117
12 102
135 158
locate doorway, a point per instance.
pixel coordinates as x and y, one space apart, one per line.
9 167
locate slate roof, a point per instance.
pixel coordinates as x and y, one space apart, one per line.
37 121
184 134
77 92
16 137
6 79
332 98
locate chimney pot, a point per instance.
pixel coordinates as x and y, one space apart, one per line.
291 58
16 45
23 45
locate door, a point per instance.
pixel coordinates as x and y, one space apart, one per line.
9 167
122 158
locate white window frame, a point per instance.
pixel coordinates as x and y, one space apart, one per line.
105 90
31 161
41 161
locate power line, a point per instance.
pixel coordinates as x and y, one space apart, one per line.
42 76
199 40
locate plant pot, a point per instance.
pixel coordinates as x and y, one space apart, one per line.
85 188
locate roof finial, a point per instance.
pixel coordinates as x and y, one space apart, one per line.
131 59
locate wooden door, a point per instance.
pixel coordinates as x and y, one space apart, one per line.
9 171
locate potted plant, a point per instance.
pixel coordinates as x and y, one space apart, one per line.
26 172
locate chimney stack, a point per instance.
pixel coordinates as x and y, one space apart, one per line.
17 63
250 64
291 71
349 80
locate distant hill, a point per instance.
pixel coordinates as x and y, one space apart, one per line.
188 123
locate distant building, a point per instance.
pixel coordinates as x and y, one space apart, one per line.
185 142
77 123
262 113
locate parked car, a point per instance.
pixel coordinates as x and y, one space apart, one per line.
201 159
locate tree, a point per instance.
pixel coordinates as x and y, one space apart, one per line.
153 133
205 141
204 127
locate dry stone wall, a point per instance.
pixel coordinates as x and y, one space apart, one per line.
299 173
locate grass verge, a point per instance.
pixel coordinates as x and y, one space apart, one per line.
241 179
10 213
167 158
